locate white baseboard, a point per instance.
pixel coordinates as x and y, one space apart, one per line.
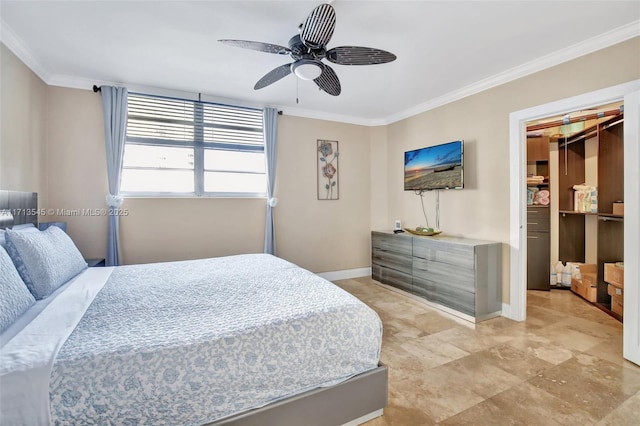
346 274
506 311
366 272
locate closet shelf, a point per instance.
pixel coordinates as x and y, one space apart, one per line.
563 212
611 215
602 216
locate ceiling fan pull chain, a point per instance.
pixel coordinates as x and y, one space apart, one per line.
297 83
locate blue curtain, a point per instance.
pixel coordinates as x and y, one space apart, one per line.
114 106
270 146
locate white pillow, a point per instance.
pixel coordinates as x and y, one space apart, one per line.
45 260
14 295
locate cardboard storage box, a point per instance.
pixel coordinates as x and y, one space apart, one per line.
618 208
590 279
613 274
583 268
617 306
586 287
614 291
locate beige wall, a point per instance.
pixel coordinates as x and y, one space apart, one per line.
318 235
69 172
379 178
165 229
322 235
23 124
481 210
77 165
155 229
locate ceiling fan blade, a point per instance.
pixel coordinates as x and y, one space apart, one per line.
356 55
273 76
317 29
328 81
258 45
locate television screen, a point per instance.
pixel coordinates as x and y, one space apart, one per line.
434 167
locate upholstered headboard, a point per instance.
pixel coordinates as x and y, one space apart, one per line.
17 208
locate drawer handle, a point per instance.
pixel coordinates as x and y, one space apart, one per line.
532 237
532 223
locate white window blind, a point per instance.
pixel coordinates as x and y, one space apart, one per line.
181 147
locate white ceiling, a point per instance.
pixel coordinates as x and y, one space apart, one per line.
445 49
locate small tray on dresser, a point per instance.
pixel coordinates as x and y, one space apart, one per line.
423 233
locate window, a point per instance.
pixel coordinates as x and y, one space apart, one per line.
180 147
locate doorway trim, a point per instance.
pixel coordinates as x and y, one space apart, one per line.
517 309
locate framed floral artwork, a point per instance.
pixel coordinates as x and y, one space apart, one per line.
328 170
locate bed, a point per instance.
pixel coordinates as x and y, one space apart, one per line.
242 340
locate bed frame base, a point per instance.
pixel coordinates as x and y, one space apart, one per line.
349 403
366 418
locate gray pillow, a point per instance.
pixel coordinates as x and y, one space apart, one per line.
29 227
14 295
13 252
45 260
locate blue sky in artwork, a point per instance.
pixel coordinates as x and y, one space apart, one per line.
433 156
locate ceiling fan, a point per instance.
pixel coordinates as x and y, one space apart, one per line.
308 48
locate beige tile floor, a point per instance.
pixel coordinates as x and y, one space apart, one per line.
562 366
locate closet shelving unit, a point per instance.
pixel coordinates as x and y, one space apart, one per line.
610 163
538 219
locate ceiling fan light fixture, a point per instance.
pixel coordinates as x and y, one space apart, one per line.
307 69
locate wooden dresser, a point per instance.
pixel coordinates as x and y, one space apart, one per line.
459 275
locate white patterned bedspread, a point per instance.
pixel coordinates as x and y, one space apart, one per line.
186 343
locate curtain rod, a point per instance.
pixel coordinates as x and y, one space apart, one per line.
97 89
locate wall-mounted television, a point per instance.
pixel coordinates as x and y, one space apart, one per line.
434 167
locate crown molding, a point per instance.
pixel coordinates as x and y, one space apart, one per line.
585 47
87 84
15 44
610 38
73 82
327 116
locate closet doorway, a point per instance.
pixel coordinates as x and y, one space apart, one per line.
575 167
629 93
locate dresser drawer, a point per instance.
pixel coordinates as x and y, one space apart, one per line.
457 299
457 255
395 243
538 219
444 274
424 287
447 295
392 277
399 262
537 212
